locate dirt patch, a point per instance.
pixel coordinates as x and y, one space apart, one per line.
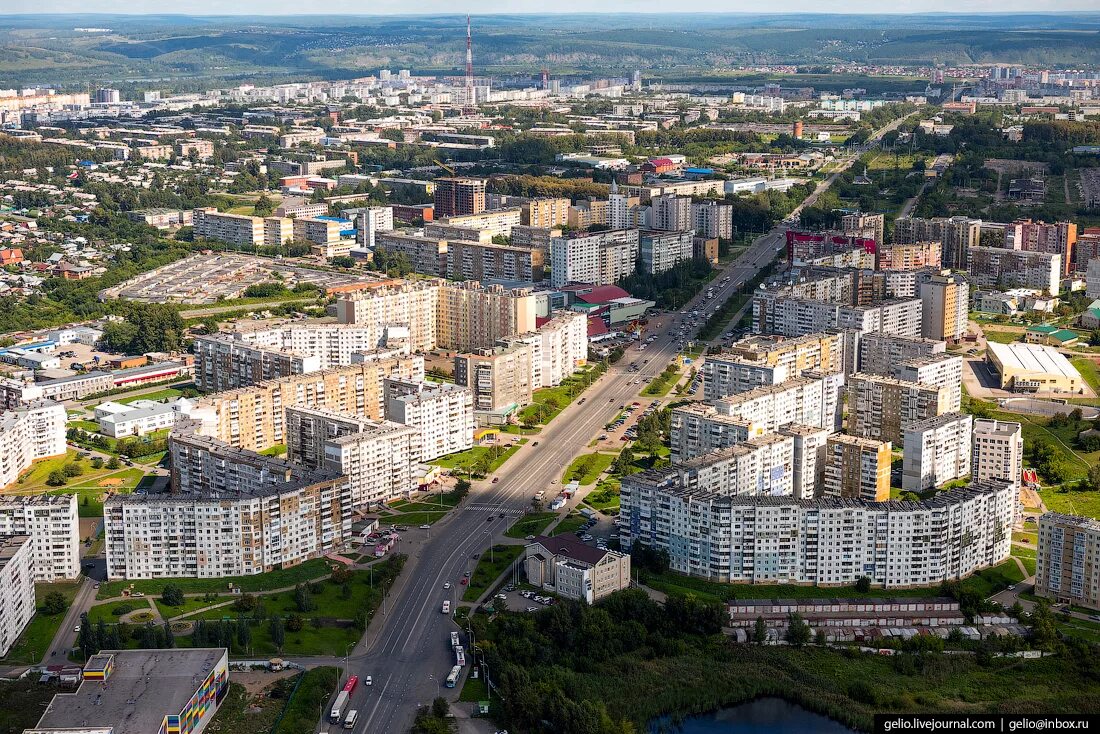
111 482
255 682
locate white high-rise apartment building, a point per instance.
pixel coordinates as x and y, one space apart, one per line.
670 212
557 349
598 258
799 316
831 541
17 606
53 524
712 219
32 431
758 467
443 414
370 221
376 457
879 352
618 209
812 400
725 375
936 451
998 451
942 370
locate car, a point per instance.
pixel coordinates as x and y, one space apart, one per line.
534 443
95 586
475 556
368 681
425 526
76 628
464 581
529 537
1095 617
496 479
532 609
1012 587
553 481
138 594
446 584
502 596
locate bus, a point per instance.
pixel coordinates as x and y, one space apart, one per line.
452 678
460 657
353 681
454 640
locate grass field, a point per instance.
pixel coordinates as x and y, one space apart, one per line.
22 702
168 393
39 633
190 604
1089 372
1002 337
571 524
660 385
1027 557
261 582
105 612
605 496
1071 503
587 468
479 459
532 524
300 714
474 690
241 712
489 567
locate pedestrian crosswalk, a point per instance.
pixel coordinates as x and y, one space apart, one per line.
486 507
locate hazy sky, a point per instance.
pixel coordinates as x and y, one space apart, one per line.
387 7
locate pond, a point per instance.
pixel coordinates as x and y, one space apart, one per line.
763 716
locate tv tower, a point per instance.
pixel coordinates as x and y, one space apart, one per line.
469 57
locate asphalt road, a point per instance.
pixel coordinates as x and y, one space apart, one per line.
406 649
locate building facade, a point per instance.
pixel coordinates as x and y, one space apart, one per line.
53 525
937 451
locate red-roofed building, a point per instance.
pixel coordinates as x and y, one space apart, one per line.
597 327
574 570
595 293
659 166
11 256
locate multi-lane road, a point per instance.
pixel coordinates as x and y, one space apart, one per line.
406 649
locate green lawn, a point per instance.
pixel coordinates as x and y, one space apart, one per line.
168 393
985 582
605 497
190 604
22 702
260 582
1002 337
1026 556
106 612
89 426
587 468
474 690
39 633
531 524
300 714
662 383
278 449
489 567
1071 502
571 524
1089 371
242 712
549 401
479 460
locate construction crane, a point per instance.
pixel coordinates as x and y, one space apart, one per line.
445 167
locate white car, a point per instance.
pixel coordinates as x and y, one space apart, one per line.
369 681
446 584
501 596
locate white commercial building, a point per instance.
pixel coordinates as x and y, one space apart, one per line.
998 450
936 451
119 420
443 414
831 541
33 431
53 524
17 605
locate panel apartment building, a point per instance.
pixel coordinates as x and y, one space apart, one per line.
253 417
53 524
662 251
32 431
937 451
487 261
459 196
998 451
811 400
883 408
857 468
443 415
499 380
442 315
598 258
230 513
828 541
958 235
17 604
1067 566
996 267
376 457
769 360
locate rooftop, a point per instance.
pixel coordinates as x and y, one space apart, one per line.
1033 358
143 687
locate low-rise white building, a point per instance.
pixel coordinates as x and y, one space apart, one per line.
140 417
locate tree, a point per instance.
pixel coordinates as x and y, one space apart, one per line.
97 462
863 584
303 602
798 632
760 631
244 634
294 623
278 632
86 640
72 469
54 603
172 596
113 463
169 638
263 207
1044 631
56 478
